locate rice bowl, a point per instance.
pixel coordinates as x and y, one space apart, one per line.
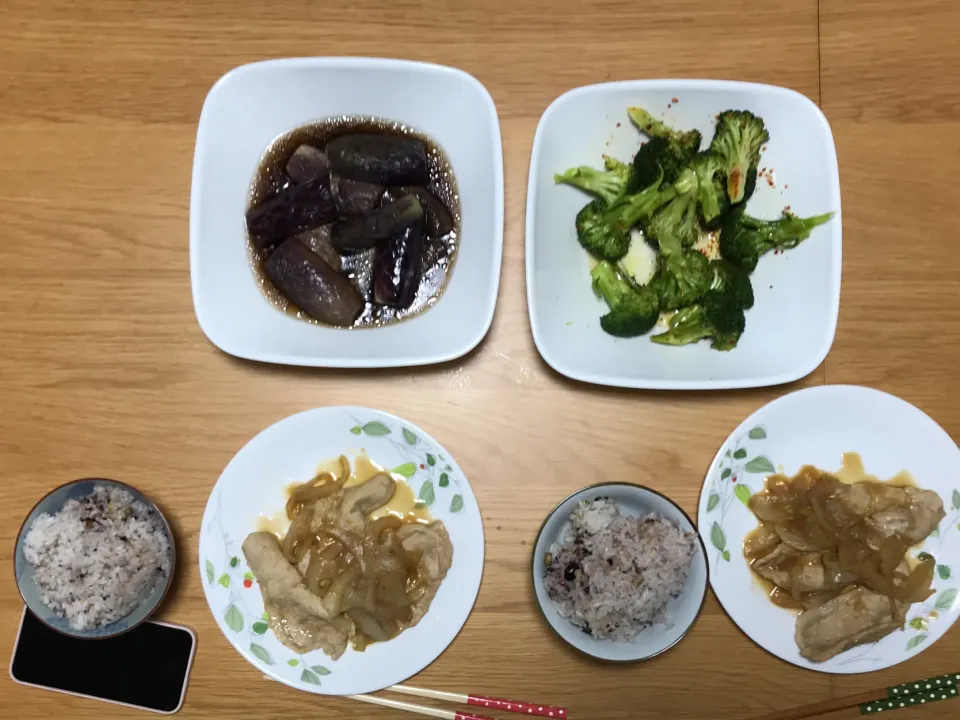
629 537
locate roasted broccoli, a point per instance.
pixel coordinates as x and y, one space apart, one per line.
688 140
717 316
744 239
618 180
660 155
740 135
604 230
633 310
683 278
712 197
730 279
675 224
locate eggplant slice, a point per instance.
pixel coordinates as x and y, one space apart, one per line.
311 284
438 219
291 211
355 197
307 163
396 268
381 159
361 233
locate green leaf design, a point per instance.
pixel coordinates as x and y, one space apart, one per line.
261 653
918 623
743 494
456 504
448 468
408 470
293 662
248 576
265 616
727 453
758 433
727 472
320 670
718 537
233 618
740 454
210 572
259 627
946 599
712 501
356 429
444 479
431 460
725 555
760 464
224 580
308 676
409 437
943 571
924 556
375 428
956 499
234 561
427 495
915 640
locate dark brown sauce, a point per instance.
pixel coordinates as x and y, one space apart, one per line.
439 255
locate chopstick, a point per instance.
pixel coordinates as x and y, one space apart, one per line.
528 709
418 709
918 692
484 702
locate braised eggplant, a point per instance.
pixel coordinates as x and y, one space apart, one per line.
355 197
378 186
382 159
292 210
315 287
396 269
438 220
361 233
318 240
307 163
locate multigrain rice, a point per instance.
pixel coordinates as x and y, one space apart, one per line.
98 556
613 574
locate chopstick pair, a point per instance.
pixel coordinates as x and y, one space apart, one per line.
918 692
528 709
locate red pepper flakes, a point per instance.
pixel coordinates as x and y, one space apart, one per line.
618 124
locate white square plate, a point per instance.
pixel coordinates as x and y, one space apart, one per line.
790 328
253 104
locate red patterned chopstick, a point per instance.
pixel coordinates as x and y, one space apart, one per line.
488 703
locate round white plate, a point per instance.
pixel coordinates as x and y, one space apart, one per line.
253 483
816 426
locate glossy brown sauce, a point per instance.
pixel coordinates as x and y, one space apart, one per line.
439 254
402 505
851 471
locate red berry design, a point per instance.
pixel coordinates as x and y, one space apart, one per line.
734 479
248 583
421 466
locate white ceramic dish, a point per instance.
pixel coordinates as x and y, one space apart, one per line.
816 426
254 483
790 328
682 611
246 110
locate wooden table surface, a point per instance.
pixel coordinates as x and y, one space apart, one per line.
104 370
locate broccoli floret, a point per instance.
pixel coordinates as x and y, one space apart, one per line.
744 239
618 180
675 225
633 310
683 278
739 137
688 140
659 155
604 231
712 197
730 279
717 317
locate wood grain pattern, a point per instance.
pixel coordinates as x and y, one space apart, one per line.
104 370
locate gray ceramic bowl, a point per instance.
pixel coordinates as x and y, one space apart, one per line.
51 503
682 611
